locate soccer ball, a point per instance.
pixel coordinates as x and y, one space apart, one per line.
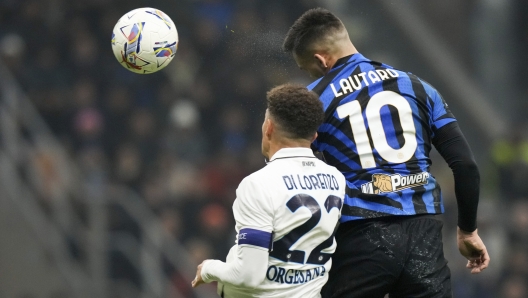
144 40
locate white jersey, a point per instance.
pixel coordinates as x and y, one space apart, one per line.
290 208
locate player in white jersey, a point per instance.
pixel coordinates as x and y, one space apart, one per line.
286 213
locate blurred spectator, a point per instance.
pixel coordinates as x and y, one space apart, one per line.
510 156
514 287
128 165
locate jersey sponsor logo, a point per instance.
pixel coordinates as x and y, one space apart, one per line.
383 183
291 276
309 182
308 164
356 82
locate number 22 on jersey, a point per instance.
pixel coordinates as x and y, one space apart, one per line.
352 110
281 248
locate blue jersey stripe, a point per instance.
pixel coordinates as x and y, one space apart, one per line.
439 124
328 149
329 128
349 218
408 183
374 206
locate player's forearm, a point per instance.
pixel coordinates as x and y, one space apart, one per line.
452 145
216 270
467 184
247 269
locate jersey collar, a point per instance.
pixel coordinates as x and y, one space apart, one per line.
354 58
292 152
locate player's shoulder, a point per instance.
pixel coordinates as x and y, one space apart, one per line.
428 87
250 180
257 179
256 189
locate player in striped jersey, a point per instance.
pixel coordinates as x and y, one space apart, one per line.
380 124
286 213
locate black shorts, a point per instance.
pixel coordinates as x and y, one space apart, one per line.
399 255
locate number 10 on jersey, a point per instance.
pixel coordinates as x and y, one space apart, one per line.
352 110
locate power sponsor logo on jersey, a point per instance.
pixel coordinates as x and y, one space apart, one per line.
292 276
383 183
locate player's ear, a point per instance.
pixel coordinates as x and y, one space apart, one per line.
270 128
321 61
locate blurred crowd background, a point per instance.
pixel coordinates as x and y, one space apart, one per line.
183 138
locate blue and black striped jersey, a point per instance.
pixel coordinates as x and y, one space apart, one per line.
378 131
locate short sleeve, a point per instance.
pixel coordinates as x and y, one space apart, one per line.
253 215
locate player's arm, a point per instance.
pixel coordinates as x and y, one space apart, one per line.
247 270
452 145
254 216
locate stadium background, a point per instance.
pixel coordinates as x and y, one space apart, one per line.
114 184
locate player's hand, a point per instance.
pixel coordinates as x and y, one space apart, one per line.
471 246
198 279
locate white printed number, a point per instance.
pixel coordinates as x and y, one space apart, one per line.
352 110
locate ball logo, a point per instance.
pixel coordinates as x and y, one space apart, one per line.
166 50
160 15
383 183
133 46
134 38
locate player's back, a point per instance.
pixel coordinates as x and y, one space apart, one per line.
378 132
304 197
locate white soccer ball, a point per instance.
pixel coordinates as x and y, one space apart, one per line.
144 40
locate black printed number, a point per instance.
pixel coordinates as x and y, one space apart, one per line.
281 247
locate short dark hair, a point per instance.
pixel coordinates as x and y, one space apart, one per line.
308 28
296 110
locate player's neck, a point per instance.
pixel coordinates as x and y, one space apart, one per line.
287 143
346 49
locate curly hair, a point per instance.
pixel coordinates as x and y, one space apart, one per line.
314 24
297 111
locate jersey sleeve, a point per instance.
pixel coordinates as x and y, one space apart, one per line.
246 263
246 269
253 214
440 113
